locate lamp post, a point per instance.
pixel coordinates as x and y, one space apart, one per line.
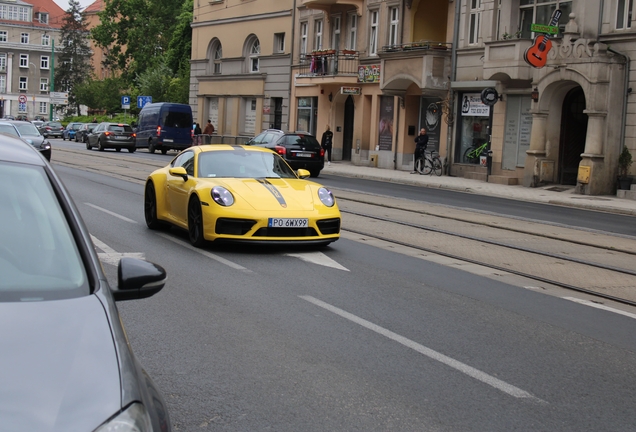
52 84
35 84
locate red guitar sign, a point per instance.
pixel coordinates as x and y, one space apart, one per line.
537 54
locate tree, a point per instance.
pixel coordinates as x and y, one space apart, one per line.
74 60
101 94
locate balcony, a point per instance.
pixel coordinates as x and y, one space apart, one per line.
326 5
328 64
506 57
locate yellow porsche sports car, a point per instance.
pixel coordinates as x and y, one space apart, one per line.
241 194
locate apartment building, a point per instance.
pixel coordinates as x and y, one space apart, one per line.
564 123
27 35
375 72
240 66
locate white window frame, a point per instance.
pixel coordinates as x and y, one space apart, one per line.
23 14
3 84
43 18
24 38
624 10
279 42
336 27
3 36
23 83
3 62
303 37
474 22
217 58
44 84
255 52
394 26
531 11
352 40
373 32
44 109
46 40
44 62
318 34
24 60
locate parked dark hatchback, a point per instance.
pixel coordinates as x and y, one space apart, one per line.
112 135
82 133
300 150
52 129
66 363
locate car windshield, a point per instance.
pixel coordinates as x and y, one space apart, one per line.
243 164
120 128
39 259
8 129
27 129
307 141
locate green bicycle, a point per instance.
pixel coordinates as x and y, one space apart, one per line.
428 163
472 153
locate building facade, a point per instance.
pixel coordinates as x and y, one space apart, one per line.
28 32
240 66
375 72
564 123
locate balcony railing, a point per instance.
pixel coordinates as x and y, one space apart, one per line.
329 63
416 46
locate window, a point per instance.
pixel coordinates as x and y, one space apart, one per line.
373 35
217 57
3 36
475 18
24 38
318 34
335 35
23 14
352 43
279 42
24 60
624 14
394 24
255 51
43 17
44 84
303 38
540 12
44 62
46 40
23 83
3 62
3 83
44 109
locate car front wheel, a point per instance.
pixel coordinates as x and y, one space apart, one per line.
314 173
151 147
195 223
88 145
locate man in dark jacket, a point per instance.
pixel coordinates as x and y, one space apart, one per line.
327 143
421 142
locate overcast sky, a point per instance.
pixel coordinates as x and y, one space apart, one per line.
64 3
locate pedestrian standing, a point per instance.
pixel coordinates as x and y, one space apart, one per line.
197 133
209 129
421 142
327 143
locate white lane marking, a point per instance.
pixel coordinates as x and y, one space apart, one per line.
110 255
455 364
600 306
206 253
318 258
124 218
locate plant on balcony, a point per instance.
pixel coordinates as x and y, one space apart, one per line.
349 52
323 52
515 35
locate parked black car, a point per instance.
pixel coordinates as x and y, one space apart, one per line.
299 149
52 129
66 363
112 135
29 133
82 133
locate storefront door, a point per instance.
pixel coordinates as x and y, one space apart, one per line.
347 129
573 133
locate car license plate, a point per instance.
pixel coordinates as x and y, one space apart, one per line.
168 140
304 155
288 223
121 137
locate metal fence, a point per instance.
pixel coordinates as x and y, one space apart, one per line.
328 64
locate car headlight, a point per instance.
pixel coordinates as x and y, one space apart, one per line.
326 197
222 196
135 418
45 145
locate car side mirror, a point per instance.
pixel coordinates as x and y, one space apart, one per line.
303 173
179 172
138 279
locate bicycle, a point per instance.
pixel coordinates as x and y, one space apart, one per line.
472 153
428 163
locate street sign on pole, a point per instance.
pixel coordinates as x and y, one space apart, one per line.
125 102
59 98
22 98
143 100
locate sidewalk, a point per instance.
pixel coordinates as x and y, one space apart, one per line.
606 203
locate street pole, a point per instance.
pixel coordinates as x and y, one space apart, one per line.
52 84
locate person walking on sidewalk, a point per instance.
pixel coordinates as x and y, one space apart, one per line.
421 142
327 142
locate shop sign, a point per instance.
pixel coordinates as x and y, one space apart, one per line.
472 106
369 74
350 90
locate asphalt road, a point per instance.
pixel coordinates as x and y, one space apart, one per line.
354 337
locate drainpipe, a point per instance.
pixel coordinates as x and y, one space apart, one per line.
451 93
402 102
626 88
291 63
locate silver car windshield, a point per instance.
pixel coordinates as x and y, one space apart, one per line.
39 259
243 164
28 129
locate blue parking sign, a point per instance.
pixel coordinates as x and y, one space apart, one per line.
143 100
125 102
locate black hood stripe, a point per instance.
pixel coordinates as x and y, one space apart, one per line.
272 189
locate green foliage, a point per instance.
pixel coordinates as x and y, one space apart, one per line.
624 162
180 46
102 94
163 85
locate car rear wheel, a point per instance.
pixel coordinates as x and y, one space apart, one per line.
151 147
150 208
100 146
131 149
164 151
88 145
118 149
195 223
